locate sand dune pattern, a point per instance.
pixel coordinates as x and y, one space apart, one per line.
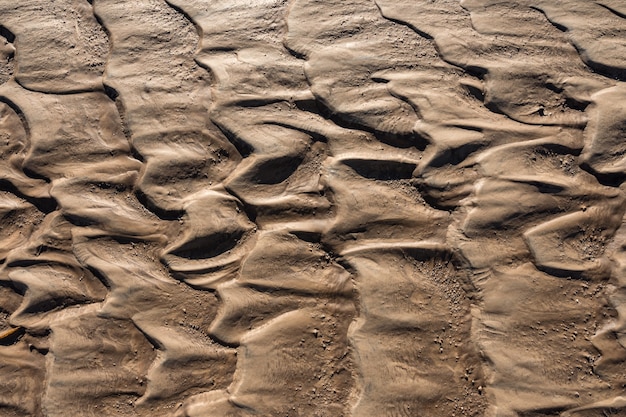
304 208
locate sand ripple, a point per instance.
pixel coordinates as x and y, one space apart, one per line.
304 208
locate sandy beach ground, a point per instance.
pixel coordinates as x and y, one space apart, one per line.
307 208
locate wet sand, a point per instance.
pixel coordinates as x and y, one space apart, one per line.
301 208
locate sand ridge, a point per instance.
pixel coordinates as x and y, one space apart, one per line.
304 208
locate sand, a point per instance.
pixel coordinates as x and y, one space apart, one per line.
360 208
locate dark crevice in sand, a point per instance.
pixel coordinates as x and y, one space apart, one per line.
421 33
187 16
26 86
434 202
78 220
149 204
403 141
35 175
612 10
277 170
596 54
607 179
293 52
315 135
45 205
456 156
17 111
477 93
576 104
317 296
209 247
222 341
102 278
474 70
134 153
110 91
559 26
7 34
244 148
12 338
249 209
381 170
151 338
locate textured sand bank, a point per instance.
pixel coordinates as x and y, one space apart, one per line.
312 208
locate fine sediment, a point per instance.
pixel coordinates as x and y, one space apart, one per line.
302 208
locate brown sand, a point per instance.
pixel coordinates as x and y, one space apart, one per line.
312 208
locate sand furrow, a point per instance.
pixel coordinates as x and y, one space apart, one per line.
170 130
549 216
595 28
481 39
93 177
402 375
304 208
166 113
142 292
62 50
21 389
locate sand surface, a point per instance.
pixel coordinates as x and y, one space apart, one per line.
367 208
